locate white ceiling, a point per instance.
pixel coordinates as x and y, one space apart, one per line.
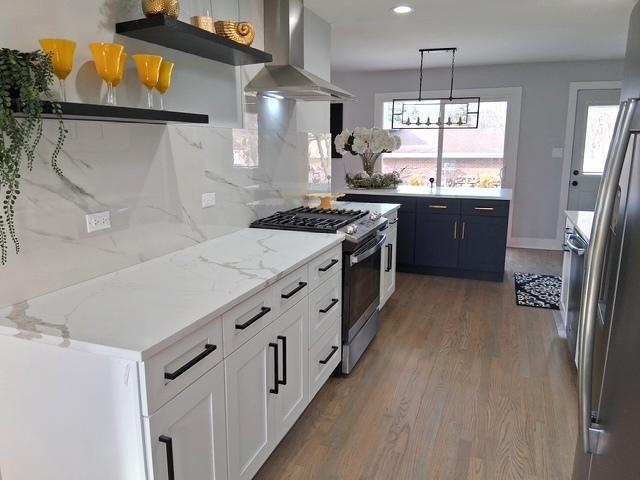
367 36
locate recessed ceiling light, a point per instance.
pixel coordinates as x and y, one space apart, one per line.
402 9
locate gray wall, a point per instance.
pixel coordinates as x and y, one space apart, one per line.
545 100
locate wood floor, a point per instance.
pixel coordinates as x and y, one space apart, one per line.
460 383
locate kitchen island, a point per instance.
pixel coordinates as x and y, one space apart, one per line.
458 232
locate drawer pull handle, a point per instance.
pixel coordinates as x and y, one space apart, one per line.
168 441
284 360
300 286
394 221
251 321
334 302
440 207
208 350
331 264
464 229
276 383
389 257
484 209
333 352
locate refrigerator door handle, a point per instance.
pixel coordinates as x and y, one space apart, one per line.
604 211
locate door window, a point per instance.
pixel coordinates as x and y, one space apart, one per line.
601 120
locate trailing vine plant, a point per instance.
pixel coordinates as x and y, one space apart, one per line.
24 80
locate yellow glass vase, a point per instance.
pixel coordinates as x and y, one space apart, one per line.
164 80
108 60
61 52
148 67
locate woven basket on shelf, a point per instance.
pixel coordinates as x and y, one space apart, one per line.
241 32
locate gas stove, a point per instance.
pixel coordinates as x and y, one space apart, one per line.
357 225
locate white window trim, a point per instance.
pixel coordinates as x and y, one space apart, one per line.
513 95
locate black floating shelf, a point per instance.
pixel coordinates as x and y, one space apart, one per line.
178 35
112 113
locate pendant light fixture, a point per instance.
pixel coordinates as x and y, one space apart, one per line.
436 113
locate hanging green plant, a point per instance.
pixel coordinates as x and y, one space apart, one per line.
24 80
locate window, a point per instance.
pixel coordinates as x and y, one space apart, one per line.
453 157
601 120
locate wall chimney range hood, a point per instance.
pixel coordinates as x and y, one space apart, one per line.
286 76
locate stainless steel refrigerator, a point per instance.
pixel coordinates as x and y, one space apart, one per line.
608 446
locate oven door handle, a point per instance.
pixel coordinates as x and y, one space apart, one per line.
359 256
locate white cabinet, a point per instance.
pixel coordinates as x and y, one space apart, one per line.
266 390
388 260
186 437
291 334
250 385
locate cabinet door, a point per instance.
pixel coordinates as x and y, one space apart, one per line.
187 436
250 380
291 333
437 240
406 238
483 243
388 265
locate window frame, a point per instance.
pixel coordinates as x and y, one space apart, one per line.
513 97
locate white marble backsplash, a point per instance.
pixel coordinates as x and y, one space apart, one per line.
151 179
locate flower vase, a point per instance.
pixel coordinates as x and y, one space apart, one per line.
369 161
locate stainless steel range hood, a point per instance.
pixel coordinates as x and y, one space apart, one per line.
286 76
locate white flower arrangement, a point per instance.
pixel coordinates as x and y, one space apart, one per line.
364 140
369 144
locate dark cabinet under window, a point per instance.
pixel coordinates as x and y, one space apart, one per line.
436 240
483 243
449 236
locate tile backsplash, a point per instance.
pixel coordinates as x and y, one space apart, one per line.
151 178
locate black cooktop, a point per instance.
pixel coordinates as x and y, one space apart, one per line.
307 219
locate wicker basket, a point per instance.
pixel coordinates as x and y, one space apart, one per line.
241 32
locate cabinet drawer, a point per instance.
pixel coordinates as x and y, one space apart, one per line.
448 206
325 305
173 369
292 288
487 208
243 321
324 266
324 357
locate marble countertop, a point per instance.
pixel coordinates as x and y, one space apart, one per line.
448 192
381 208
582 221
136 312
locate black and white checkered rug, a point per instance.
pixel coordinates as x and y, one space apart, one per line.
539 291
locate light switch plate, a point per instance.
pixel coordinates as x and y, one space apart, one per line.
208 200
98 221
557 152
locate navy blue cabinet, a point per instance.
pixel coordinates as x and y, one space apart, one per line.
436 240
483 243
449 236
406 238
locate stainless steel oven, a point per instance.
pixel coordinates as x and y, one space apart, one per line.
361 297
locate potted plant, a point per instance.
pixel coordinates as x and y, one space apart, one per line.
25 78
369 145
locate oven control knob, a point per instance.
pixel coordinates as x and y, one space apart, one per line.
351 229
374 216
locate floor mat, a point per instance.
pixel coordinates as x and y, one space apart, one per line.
538 291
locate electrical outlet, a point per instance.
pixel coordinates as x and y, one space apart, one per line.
208 200
98 221
557 152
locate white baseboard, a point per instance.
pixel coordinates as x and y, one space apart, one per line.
535 243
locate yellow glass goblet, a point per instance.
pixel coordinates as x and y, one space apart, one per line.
120 77
148 67
164 81
108 60
61 52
